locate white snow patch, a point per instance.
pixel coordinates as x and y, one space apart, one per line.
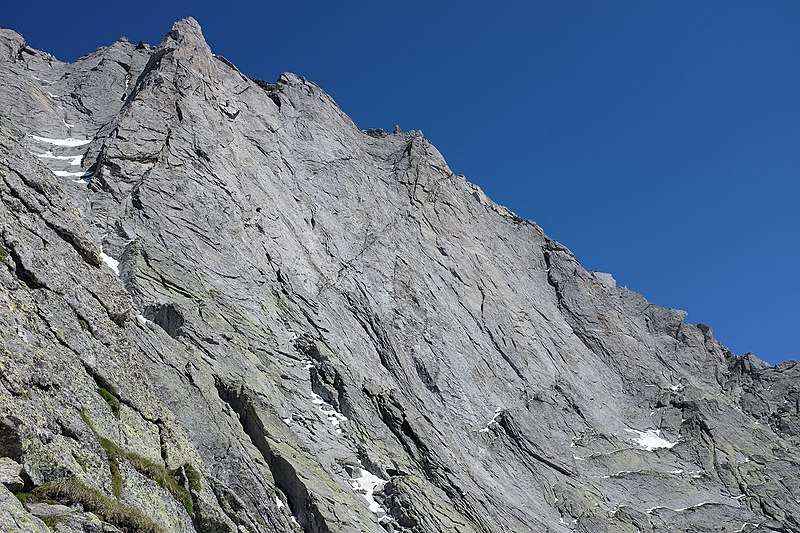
278 502
67 125
51 95
287 420
308 365
293 518
677 472
366 484
492 421
619 474
681 509
695 506
334 416
69 141
651 439
112 263
74 160
142 320
68 174
316 399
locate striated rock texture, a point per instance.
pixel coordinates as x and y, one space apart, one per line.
225 307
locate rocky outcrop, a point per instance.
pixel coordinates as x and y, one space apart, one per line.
225 307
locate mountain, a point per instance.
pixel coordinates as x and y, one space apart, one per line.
226 308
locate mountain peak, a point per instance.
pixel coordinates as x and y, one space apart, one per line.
186 32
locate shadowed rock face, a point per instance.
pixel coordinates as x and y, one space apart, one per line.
226 308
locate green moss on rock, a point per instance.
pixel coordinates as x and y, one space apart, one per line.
144 466
192 477
110 399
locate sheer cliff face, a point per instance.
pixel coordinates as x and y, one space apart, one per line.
226 308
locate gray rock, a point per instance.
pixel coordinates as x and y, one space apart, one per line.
14 518
11 474
225 307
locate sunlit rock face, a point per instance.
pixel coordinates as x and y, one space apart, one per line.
227 308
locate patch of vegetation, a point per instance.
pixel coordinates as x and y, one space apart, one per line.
22 497
146 467
3 253
110 399
111 453
52 521
81 460
109 510
160 475
192 477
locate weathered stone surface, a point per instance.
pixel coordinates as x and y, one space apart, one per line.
226 307
14 518
10 474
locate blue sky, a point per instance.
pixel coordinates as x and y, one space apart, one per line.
658 140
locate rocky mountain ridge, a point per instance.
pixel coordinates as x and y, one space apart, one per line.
227 308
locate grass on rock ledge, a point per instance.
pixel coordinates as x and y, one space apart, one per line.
147 468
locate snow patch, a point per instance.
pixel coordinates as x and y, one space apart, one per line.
68 174
278 502
74 160
620 474
492 421
367 484
682 509
651 439
142 320
62 142
334 416
112 263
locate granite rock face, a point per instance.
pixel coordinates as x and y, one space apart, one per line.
225 307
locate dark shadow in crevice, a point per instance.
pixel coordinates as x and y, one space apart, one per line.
166 316
300 502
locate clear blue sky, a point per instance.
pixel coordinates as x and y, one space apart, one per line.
660 141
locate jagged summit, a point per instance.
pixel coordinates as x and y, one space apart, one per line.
186 33
227 308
